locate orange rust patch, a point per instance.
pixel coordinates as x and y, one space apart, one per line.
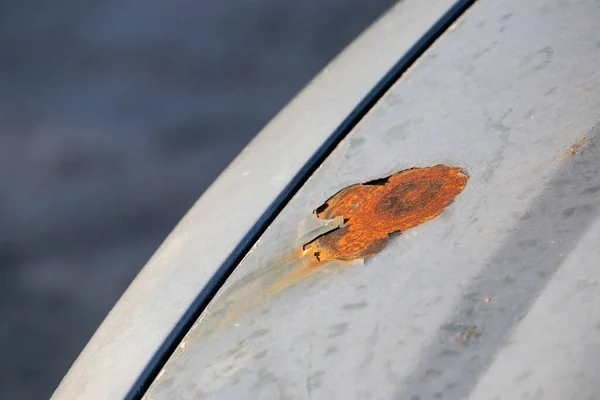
375 209
576 147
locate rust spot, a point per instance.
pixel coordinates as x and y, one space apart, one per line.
469 333
373 210
576 147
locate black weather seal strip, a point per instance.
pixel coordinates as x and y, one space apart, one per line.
162 355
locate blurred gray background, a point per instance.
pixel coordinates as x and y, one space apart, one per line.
115 116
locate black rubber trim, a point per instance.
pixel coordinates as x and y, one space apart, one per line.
163 354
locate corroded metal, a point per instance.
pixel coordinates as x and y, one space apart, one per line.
373 210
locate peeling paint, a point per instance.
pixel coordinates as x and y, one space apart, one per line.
373 210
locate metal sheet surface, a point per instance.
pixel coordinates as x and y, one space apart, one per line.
447 310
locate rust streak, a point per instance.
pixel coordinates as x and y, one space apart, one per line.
576 147
375 209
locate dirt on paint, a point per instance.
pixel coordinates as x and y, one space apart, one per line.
373 210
